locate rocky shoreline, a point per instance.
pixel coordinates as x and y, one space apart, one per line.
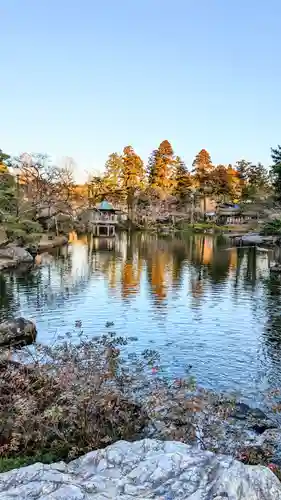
143 470
254 239
176 411
13 255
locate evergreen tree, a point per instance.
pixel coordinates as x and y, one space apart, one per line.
276 170
203 170
132 176
183 181
4 158
97 189
243 167
258 180
7 187
253 179
113 170
160 168
221 183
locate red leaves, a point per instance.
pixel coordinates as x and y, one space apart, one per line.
272 467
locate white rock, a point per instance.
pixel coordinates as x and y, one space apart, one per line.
143 470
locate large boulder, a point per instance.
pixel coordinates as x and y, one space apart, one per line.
142 470
17 332
11 256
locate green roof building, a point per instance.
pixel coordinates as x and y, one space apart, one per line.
104 206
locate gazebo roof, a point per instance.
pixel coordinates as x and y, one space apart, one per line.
104 205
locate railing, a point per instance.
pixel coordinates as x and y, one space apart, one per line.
104 218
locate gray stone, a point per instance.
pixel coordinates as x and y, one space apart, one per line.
147 469
17 332
12 256
46 244
15 253
257 239
252 238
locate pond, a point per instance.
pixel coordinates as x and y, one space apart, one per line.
204 307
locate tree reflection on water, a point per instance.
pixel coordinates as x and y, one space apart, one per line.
169 288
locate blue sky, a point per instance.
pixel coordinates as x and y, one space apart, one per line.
84 78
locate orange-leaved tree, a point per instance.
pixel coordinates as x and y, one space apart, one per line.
113 177
202 170
132 177
161 168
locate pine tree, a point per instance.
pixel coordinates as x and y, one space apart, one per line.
258 180
160 168
4 158
276 170
132 176
7 187
113 169
183 181
220 183
226 183
243 167
253 179
202 170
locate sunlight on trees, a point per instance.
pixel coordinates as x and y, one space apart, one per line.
31 182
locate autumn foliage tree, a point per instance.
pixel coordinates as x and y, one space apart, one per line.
221 187
132 176
113 171
225 184
161 168
202 171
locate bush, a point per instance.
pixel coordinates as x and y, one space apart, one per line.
67 406
25 231
7 464
200 227
65 400
272 228
31 226
15 233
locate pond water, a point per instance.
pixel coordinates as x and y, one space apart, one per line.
194 300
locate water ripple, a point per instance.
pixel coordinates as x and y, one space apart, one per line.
195 302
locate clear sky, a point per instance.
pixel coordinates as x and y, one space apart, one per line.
84 78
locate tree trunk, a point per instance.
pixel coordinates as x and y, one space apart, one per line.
56 224
204 206
192 210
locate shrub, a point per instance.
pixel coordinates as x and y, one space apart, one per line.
272 228
76 396
15 233
23 231
31 226
69 404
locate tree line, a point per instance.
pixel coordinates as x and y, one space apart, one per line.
31 182
127 179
